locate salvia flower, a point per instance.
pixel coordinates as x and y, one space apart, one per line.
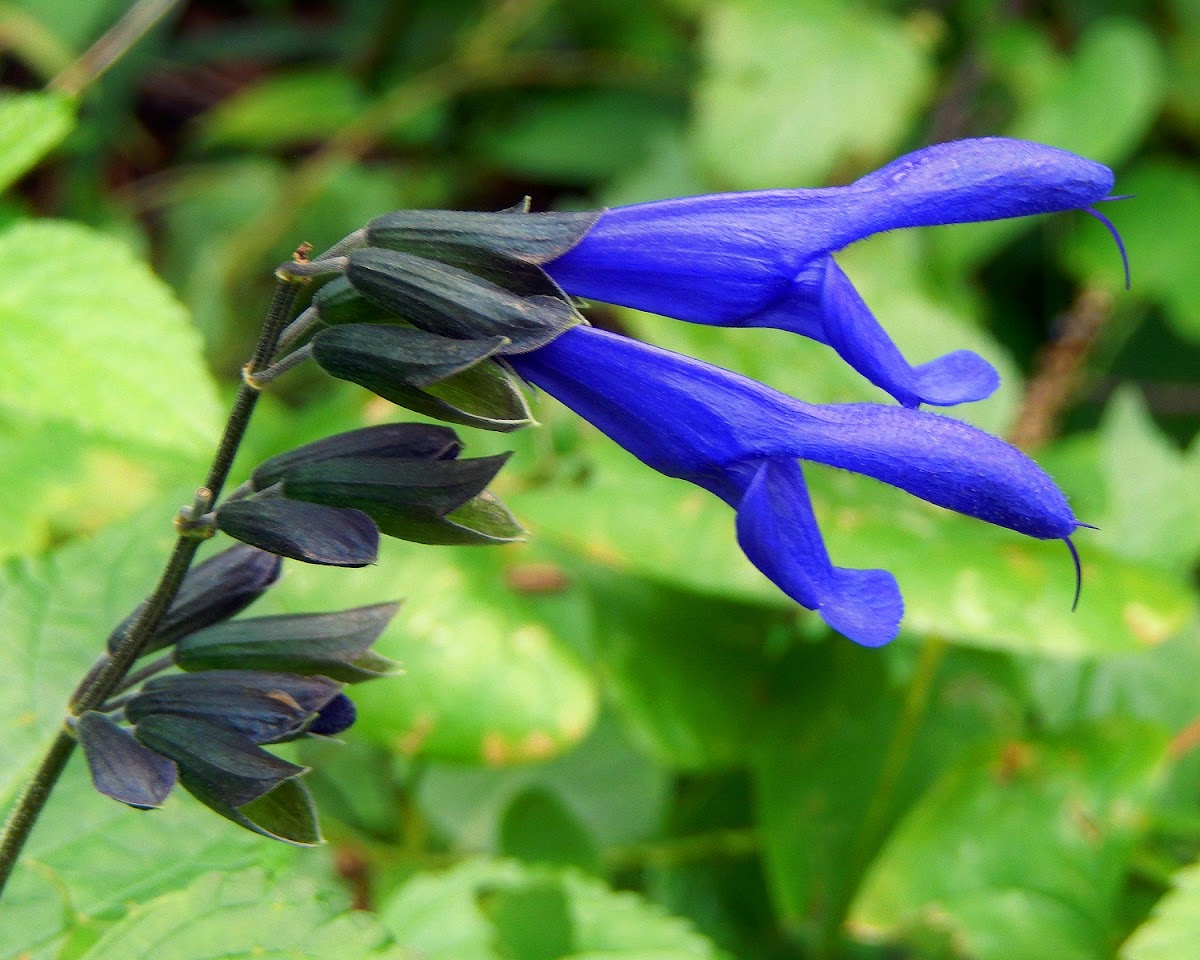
741 441
765 259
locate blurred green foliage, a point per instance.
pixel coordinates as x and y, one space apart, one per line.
618 740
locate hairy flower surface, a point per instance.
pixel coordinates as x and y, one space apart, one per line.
740 440
764 259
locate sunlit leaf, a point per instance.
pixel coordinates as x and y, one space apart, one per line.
1172 932
439 914
786 92
994 891
490 674
90 337
31 125
247 915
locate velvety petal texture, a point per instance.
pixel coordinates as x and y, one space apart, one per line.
740 439
778 532
765 258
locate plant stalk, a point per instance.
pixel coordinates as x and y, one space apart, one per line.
101 681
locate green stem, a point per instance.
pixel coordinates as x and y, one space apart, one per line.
247 397
916 701
735 842
875 821
152 669
102 680
37 792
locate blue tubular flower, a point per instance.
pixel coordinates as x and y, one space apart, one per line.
740 440
764 259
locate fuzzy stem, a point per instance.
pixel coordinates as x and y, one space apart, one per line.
37 792
280 367
107 675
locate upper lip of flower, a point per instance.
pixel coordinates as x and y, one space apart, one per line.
739 439
744 247
758 258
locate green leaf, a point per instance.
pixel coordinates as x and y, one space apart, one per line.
538 828
285 110
999 896
71 883
1183 78
531 920
1154 510
76 26
90 337
686 670
56 611
576 137
490 673
1086 106
440 915
826 783
1079 103
68 482
788 91
31 125
1174 929
615 792
1160 227
1153 685
247 916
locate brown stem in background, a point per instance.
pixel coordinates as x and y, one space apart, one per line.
139 20
1185 741
1060 369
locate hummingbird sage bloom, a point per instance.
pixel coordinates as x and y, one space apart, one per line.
756 259
765 258
741 441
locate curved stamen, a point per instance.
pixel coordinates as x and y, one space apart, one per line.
1115 235
1078 570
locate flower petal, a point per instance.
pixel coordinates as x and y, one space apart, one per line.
692 420
941 460
822 304
778 533
717 258
988 178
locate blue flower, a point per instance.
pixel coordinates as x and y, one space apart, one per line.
741 441
764 259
